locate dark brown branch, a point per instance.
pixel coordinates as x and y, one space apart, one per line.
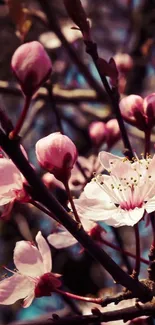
125 314
42 195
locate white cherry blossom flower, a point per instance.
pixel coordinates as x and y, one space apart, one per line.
32 278
122 197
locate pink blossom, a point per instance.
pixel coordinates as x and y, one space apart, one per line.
97 132
123 62
11 185
33 277
138 111
101 132
57 154
112 132
32 66
122 197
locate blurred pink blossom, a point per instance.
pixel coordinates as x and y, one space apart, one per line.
32 278
123 62
101 132
32 66
97 132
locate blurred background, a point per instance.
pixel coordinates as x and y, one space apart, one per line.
117 27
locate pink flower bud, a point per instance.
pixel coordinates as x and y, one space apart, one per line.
32 66
97 132
123 62
112 132
57 154
138 111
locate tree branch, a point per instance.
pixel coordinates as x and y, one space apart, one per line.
125 314
12 148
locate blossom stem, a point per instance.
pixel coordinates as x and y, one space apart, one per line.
106 242
13 134
81 298
147 142
71 202
91 49
136 271
42 195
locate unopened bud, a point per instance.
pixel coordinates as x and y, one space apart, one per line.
32 66
57 154
123 62
138 111
79 17
97 132
112 132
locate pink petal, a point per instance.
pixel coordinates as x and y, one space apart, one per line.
45 252
10 177
14 288
28 300
61 239
28 259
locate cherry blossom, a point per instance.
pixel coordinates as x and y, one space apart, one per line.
33 277
62 237
11 185
122 197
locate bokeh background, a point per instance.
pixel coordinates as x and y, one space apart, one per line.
117 26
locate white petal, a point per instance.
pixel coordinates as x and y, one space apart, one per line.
28 300
28 259
87 224
107 158
45 252
94 209
93 191
150 205
61 239
14 288
124 217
